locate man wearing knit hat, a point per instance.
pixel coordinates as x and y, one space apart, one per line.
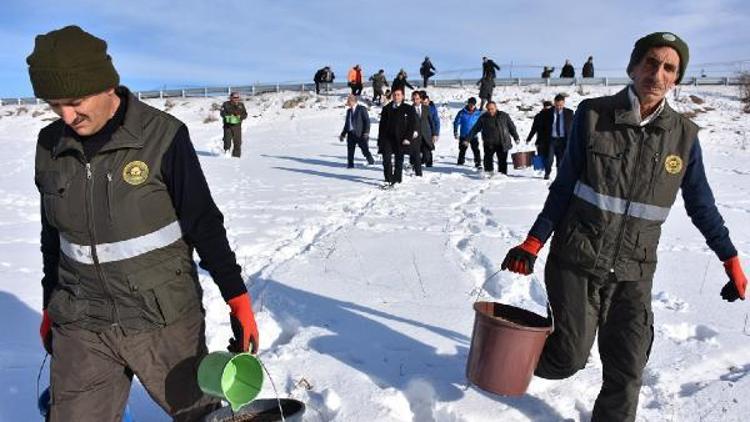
123 205
628 156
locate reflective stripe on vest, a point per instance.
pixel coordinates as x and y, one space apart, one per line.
118 251
619 205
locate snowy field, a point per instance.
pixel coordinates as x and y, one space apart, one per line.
363 296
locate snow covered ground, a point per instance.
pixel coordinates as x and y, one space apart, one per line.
364 296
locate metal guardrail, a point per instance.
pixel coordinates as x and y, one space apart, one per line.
257 89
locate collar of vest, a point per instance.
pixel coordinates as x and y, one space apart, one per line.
624 113
129 135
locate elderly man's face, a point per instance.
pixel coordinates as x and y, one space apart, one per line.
86 115
656 74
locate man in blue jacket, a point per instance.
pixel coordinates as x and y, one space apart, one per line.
435 118
462 125
356 130
628 155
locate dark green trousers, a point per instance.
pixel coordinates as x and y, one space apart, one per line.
91 372
621 313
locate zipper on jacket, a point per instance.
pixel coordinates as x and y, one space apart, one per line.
628 199
109 195
89 200
654 170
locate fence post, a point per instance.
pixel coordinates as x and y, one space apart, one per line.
278 88
726 80
161 94
546 81
252 89
205 92
20 101
519 81
606 81
139 95
183 93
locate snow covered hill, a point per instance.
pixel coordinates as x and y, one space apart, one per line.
364 296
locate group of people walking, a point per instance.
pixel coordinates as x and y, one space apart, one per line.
120 289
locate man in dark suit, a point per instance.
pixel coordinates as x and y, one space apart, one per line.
542 128
421 145
397 127
356 130
562 121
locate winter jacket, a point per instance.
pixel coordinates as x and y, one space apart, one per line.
120 223
435 116
400 83
359 125
616 186
379 83
496 130
396 125
486 86
588 70
542 128
231 109
427 69
568 71
354 76
488 69
464 121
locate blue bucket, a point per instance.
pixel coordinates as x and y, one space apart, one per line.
538 162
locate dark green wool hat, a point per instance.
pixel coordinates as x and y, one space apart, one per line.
660 39
70 63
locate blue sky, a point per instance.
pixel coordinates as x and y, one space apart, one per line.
195 43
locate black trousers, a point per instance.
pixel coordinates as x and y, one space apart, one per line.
415 156
558 150
352 142
233 134
317 87
356 88
425 79
490 152
620 311
392 173
426 154
474 143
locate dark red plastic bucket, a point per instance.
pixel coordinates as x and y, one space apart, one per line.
505 347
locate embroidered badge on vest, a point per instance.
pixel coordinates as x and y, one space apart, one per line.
135 172
673 164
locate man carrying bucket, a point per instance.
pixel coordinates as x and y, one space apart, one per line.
123 205
627 157
233 113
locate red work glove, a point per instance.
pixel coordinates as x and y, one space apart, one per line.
735 287
45 331
521 258
243 325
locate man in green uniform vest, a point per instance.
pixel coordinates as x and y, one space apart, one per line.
124 204
232 114
627 157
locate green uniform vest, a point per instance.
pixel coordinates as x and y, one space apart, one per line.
627 186
122 257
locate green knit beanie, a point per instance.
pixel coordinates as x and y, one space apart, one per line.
660 39
70 63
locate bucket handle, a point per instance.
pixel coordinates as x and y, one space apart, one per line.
275 391
550 314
